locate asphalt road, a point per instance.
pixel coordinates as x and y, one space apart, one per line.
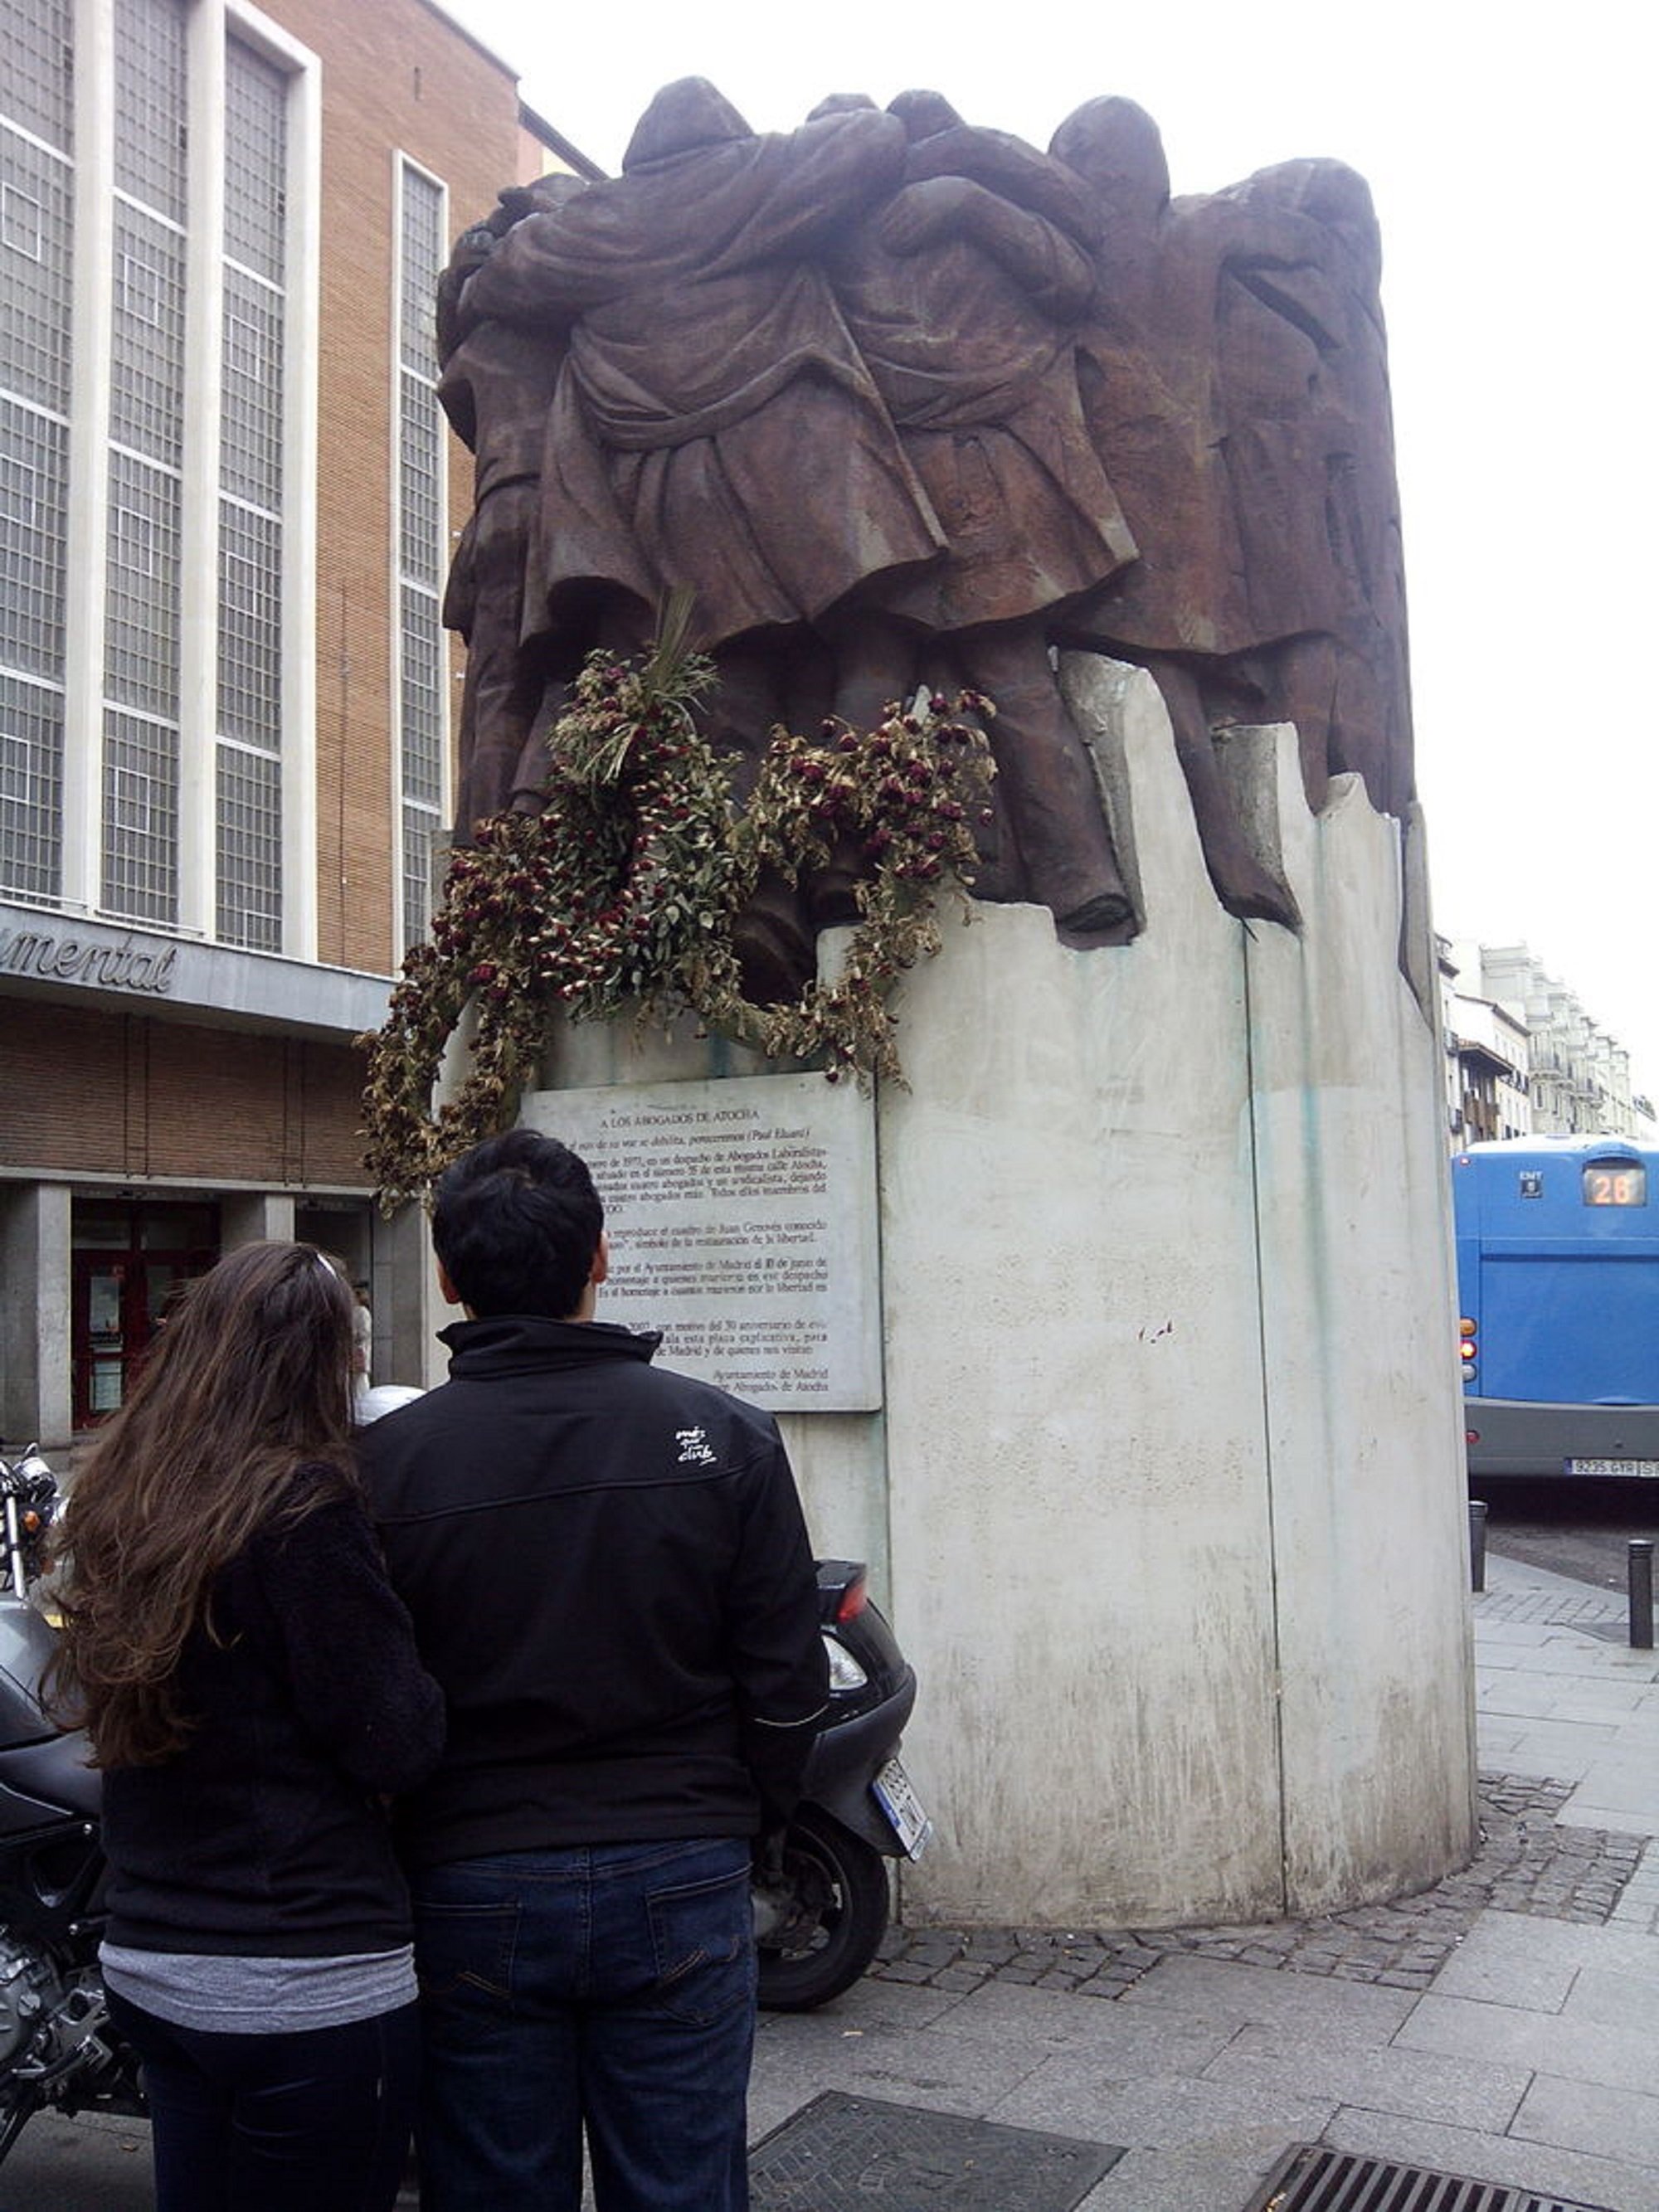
1576 1528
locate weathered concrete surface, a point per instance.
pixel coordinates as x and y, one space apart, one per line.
1175 1489
1166 1494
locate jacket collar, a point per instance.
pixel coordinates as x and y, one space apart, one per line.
516 1344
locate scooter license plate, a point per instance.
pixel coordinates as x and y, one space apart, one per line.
896 1795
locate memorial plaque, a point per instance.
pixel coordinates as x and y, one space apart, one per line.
742 1218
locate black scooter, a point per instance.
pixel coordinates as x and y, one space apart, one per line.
823 1904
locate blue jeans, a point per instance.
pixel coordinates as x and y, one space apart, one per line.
318 2119
609 1988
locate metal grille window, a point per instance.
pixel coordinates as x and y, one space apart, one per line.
36 189
146 426
149 104
34 518
256 159
250 438
423 700
249 702
147 388
420 541
250 630
37 184
39 77
419 462
159 204
141 818
141 636
31 786
422 262
250 814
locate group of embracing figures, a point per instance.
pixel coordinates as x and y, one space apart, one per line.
902 400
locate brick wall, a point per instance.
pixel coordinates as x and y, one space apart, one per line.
397 77
90 1091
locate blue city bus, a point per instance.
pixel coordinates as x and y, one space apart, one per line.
1557 1283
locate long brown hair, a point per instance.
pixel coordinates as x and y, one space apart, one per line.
250 1378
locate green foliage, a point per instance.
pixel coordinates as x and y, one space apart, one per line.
622 895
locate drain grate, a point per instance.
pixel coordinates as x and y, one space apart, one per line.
1312 2179
840 2153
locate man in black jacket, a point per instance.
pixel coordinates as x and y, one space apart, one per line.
609 1575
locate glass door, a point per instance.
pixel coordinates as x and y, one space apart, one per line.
129 1262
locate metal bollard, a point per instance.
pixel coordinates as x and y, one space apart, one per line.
1477 1544
1639 1551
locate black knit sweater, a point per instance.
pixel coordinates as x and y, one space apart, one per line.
264 1836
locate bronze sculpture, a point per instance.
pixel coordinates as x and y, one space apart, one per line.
902 401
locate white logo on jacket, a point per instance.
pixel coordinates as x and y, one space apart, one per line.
694 1447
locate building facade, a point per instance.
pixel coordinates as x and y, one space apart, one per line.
225 690
1488 1061
1524 1058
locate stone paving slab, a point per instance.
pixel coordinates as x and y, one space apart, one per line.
1526 1863
1575 2046
1534 1622
1581 1807
924 2066
1167 2111
1583 2116
1133 2041
1624 1995
1568 1654
1458 2090
1205 2179
1234 1995
1510 1959
1568 1703
1584 2177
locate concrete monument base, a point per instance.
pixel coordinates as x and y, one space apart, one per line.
1166 1495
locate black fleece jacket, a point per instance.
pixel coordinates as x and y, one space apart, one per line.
609 1573
265 1837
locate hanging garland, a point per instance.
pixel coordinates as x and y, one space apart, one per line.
621 896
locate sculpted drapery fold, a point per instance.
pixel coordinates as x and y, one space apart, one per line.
899 399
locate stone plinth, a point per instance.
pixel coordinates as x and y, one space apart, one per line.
1166 1496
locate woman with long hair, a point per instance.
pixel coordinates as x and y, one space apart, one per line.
250 1685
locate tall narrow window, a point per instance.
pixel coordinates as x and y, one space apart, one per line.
420 542
146 488
250 698
36 208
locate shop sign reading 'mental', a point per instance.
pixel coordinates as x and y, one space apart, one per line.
742 1218
126 966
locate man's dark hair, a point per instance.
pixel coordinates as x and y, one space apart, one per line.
516 1222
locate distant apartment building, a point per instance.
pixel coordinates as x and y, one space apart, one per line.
1523 1057
1487 1061
227 505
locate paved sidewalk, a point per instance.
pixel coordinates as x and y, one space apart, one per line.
1503 2026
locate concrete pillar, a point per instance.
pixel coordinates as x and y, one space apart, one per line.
248 1217
407 1309
35 1404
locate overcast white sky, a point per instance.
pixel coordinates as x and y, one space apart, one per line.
1507 147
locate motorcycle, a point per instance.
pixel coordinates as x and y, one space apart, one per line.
823 1901
57 2049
